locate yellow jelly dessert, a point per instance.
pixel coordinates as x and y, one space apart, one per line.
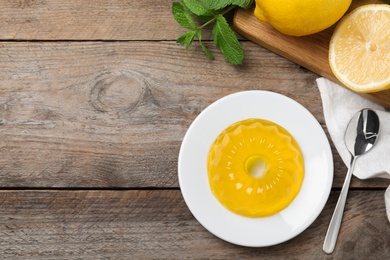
255 168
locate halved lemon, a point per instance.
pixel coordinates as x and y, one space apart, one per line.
359 50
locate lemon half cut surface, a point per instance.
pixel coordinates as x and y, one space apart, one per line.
359 50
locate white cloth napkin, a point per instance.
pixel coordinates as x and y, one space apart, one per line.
339 105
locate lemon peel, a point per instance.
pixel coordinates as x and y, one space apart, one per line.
300 17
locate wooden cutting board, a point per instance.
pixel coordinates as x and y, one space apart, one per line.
310 51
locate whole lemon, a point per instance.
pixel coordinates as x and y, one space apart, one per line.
300 17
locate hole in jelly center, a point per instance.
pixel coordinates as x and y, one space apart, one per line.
373 47
255 166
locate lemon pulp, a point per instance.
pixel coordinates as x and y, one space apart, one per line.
255 168
359 50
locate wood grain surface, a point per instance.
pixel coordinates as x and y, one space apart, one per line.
87 20
152 224
95 99
96 114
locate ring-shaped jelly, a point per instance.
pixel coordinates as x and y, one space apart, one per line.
255 168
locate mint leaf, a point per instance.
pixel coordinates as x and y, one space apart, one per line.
216 4
186 38
220 4
204 48
182 16
226 40
242 3
195 7
204 19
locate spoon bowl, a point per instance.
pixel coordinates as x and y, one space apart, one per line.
360 136
362 132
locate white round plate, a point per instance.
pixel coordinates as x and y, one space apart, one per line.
193 176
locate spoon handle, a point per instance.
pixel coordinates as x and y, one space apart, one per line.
335 222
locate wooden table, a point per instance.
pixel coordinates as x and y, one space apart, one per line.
95 98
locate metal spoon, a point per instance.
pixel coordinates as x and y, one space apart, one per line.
360 137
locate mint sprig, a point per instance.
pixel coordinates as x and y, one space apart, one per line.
226 40
195 15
